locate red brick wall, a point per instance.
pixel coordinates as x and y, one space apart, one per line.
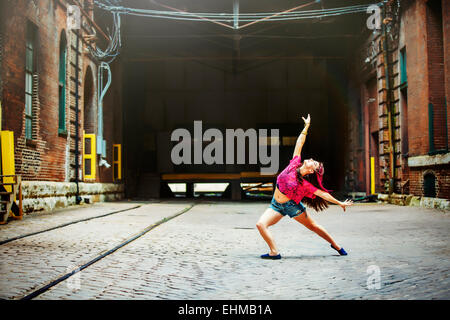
417 70
442 180
426 37
51 155
41 160
436 72
425 34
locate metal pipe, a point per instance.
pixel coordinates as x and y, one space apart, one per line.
101 91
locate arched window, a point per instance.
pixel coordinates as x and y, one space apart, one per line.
429 185
62 83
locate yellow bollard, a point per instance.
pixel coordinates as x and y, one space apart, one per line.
89 157
7 151
372 175
117 162
10 182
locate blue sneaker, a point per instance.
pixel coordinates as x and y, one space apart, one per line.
341 251
268 256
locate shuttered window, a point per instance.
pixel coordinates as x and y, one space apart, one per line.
62 84
403 75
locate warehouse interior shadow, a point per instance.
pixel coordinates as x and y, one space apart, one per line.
265 77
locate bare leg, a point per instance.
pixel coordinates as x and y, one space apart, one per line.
269 217
308 222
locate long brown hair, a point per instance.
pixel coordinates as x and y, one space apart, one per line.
317 203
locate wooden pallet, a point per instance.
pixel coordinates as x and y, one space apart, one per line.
10 191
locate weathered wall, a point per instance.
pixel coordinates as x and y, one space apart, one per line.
166 95
426 32
419 148
50 155
43 157
45 195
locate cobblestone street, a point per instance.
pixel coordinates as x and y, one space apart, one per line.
212 252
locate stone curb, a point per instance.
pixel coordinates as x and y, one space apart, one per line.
49 195
415 201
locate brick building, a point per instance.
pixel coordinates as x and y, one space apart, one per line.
38 93
399 110
385 92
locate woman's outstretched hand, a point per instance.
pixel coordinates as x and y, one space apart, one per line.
346 203
307 120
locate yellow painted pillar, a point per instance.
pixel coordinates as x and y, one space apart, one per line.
117 162
372 175
89 157
7 150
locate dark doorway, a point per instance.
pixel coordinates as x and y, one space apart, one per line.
265 76
429 185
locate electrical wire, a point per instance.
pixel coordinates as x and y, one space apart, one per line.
229 17
114 7
311 16
112 50
225 15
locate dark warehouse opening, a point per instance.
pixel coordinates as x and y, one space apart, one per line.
265 76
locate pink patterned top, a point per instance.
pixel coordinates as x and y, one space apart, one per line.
289 185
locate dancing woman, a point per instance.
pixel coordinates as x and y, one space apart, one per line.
299 181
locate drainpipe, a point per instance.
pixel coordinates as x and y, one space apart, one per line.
388 105
77 129
101 143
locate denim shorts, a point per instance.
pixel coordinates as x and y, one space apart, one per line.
289 208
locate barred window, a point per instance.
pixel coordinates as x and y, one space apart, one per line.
403 74
62 83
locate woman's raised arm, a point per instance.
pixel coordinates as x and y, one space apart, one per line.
302 137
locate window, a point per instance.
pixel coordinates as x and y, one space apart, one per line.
403 75
404 121
62 84
30 68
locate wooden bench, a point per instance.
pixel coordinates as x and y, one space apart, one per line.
234 179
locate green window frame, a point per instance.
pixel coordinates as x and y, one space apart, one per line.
62 84
403 74
30 68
